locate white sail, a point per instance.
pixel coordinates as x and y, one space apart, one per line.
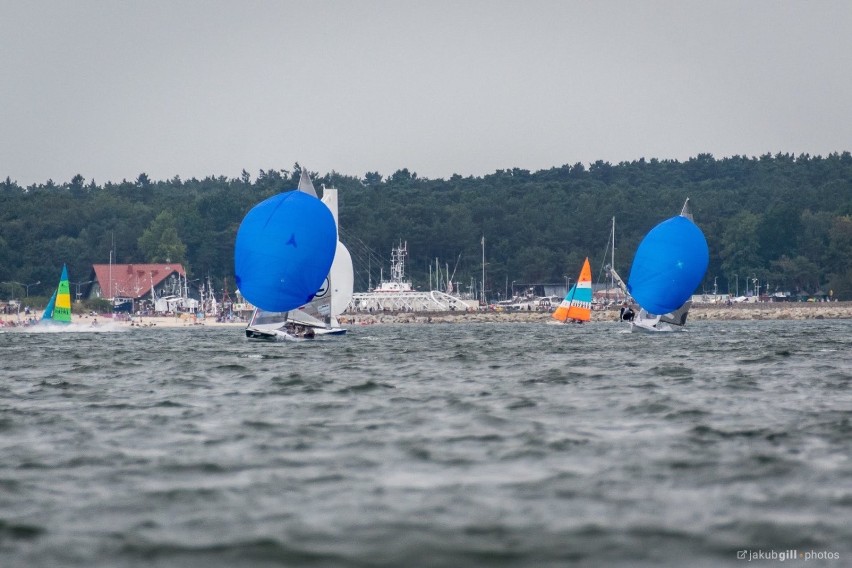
334 297
267 320
677 317
317 312
342 278
307 186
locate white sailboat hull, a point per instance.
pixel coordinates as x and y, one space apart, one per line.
272 326
648 327
265 334
667 323
281 334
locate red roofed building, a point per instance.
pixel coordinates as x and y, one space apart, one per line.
134 282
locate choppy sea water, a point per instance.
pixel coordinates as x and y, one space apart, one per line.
427 445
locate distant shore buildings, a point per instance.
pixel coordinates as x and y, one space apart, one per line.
157 287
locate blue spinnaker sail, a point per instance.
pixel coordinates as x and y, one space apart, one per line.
284 250
669 265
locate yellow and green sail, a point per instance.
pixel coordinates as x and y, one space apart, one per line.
59 307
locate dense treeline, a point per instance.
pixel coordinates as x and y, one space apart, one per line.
784 220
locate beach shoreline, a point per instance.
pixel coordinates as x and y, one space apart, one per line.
756 311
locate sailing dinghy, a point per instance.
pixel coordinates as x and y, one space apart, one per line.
317 317
58 310
668 266
284 250
577 305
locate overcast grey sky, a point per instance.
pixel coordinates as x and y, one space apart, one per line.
110 89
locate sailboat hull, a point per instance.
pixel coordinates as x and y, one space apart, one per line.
649 323
331 331
653 328
282 335
270 336
653 325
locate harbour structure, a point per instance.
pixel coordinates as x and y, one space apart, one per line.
398 295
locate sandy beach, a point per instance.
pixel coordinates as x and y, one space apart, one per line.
185 320
763 311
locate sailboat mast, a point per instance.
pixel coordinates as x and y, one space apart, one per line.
612 261
483 269
110 274
437 275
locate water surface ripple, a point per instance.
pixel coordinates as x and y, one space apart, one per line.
426 445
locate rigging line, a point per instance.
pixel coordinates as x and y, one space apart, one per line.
361 258
602 271
352 238
456 266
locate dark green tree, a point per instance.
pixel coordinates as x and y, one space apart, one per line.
160 241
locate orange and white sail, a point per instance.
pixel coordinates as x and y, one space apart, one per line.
577 304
